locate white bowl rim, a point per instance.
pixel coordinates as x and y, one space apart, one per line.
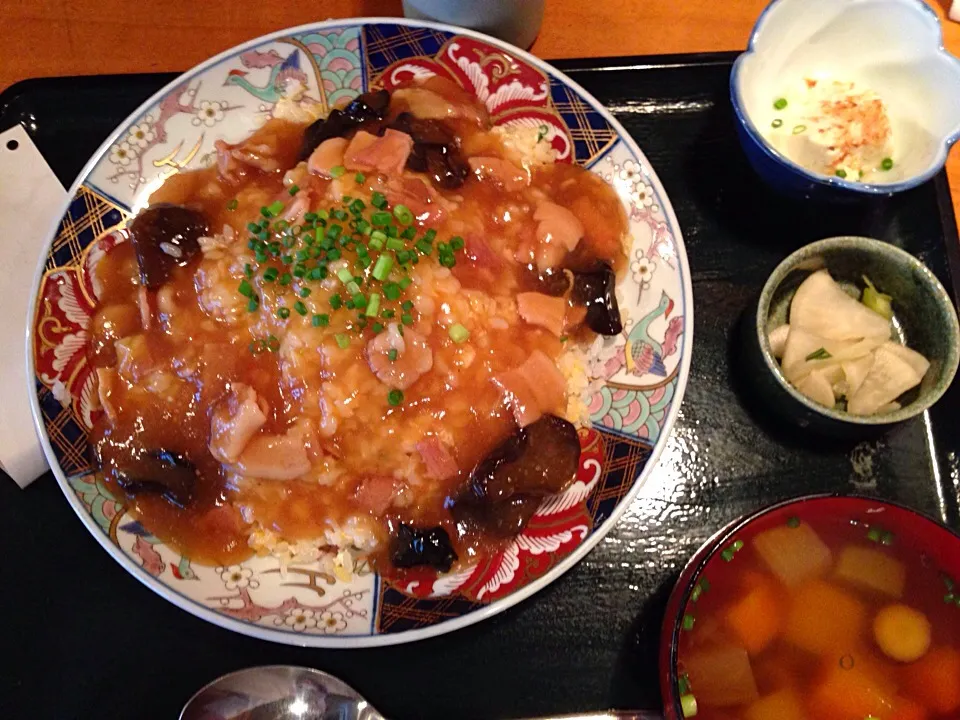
440 628
936 163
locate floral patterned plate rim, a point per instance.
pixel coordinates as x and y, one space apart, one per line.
644 371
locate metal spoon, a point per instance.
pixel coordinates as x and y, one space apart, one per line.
284 692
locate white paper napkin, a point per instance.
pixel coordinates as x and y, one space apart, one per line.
30 196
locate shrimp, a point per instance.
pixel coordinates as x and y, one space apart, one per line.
412 359
234 422
558 232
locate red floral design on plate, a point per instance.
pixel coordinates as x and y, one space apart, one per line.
513 92
65 306
556 529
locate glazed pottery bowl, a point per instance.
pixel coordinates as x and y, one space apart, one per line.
893 47
924 319
227 98
935 547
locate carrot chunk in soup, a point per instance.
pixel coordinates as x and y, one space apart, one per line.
756 618
851 693
782 705
721 676
872 569
934 680
822 617
904 709
793 554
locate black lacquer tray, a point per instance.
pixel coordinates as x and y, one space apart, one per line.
589 640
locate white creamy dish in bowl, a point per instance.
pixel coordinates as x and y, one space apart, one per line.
848 95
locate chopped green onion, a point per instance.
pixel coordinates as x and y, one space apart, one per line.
320 320
406 319
248 270
405 283
273 344
353 287
300 307
305 292
232 205
403 256
423 246
392 354
333 254
342 340
252 304
391 291
780 104
253 227
793 521
394 244
334 231
877 301
270 274
317 273
458 333
377 328
273 209
310 217
381 218
797 129
300 270
409 234
378 200
357 206
688 705
294 189
687 622
387 313
776 123
345 275
407 304
286 279
337 171
359 177
302 255
403 214
727 555
447 260
336 301
283 313
430 235
340 215
359 300
391 231
373 305
841 173
245 289
456 243
819 354
887 164
381 270
261 256
286 259
394 397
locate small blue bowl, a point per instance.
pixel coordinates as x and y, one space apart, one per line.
894 47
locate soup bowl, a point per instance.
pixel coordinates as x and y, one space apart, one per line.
907 542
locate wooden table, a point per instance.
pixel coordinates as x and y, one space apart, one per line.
82 37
